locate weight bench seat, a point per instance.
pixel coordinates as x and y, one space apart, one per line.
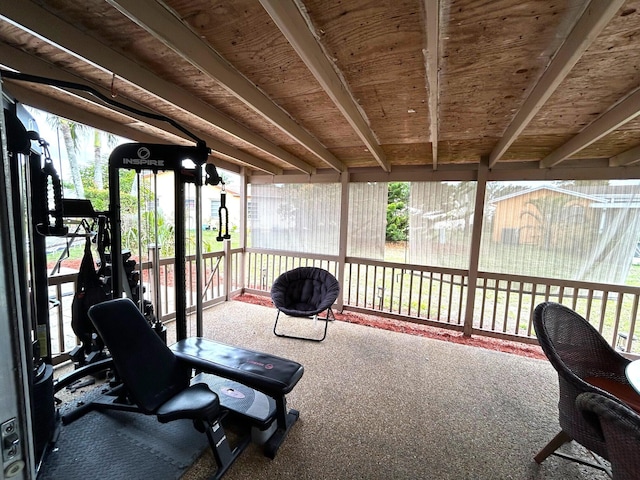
266 373
272 375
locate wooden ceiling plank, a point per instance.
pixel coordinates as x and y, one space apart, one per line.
623 112
23 62
595 17
243 157
626 158
161 22
432 9
50 28
289 19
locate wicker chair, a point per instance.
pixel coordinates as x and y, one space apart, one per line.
305 292
620 426
585 362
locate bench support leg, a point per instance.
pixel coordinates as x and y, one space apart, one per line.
222 452
285 421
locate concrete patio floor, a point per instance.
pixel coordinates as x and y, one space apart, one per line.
381 404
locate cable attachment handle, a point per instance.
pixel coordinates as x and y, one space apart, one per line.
223 209
52 196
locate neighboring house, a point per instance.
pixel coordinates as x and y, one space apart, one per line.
586 232
535 216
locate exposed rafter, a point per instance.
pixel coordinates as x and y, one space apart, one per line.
295 28
432 12
163 24
625 158
618 115
65 36
24 62
596 16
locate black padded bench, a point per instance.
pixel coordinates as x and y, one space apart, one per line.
271 375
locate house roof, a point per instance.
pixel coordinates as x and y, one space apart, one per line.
551 188
311 86
599 194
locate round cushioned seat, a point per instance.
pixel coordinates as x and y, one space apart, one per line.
305 291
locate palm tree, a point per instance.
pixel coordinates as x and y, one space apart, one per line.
98 160
70 131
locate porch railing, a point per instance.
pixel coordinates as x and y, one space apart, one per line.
503 305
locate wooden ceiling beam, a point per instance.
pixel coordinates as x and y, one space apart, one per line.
24 62
625 158
432 12
161 22
621 113
595 17
38 21
289 19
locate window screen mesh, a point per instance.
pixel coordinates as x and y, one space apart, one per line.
295 217
440 222
367 220
580 230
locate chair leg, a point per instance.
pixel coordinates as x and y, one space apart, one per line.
555 443
559 440
329 317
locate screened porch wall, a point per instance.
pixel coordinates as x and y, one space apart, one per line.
520 262
367 220
440 220
582 230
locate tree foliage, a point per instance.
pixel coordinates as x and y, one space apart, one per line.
397 212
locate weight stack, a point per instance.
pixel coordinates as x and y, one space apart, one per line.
43 408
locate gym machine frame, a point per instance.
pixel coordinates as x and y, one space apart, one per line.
156 158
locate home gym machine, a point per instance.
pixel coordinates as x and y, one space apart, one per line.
29 178
186 163
251 385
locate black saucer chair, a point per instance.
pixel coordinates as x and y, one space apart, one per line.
155 381
620 427
305 292
585 362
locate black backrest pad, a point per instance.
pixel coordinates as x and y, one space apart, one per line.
147 367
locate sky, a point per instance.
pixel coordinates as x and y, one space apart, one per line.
57 149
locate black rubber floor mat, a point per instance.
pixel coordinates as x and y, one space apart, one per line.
121 445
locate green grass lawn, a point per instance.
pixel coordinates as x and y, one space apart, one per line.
633 278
